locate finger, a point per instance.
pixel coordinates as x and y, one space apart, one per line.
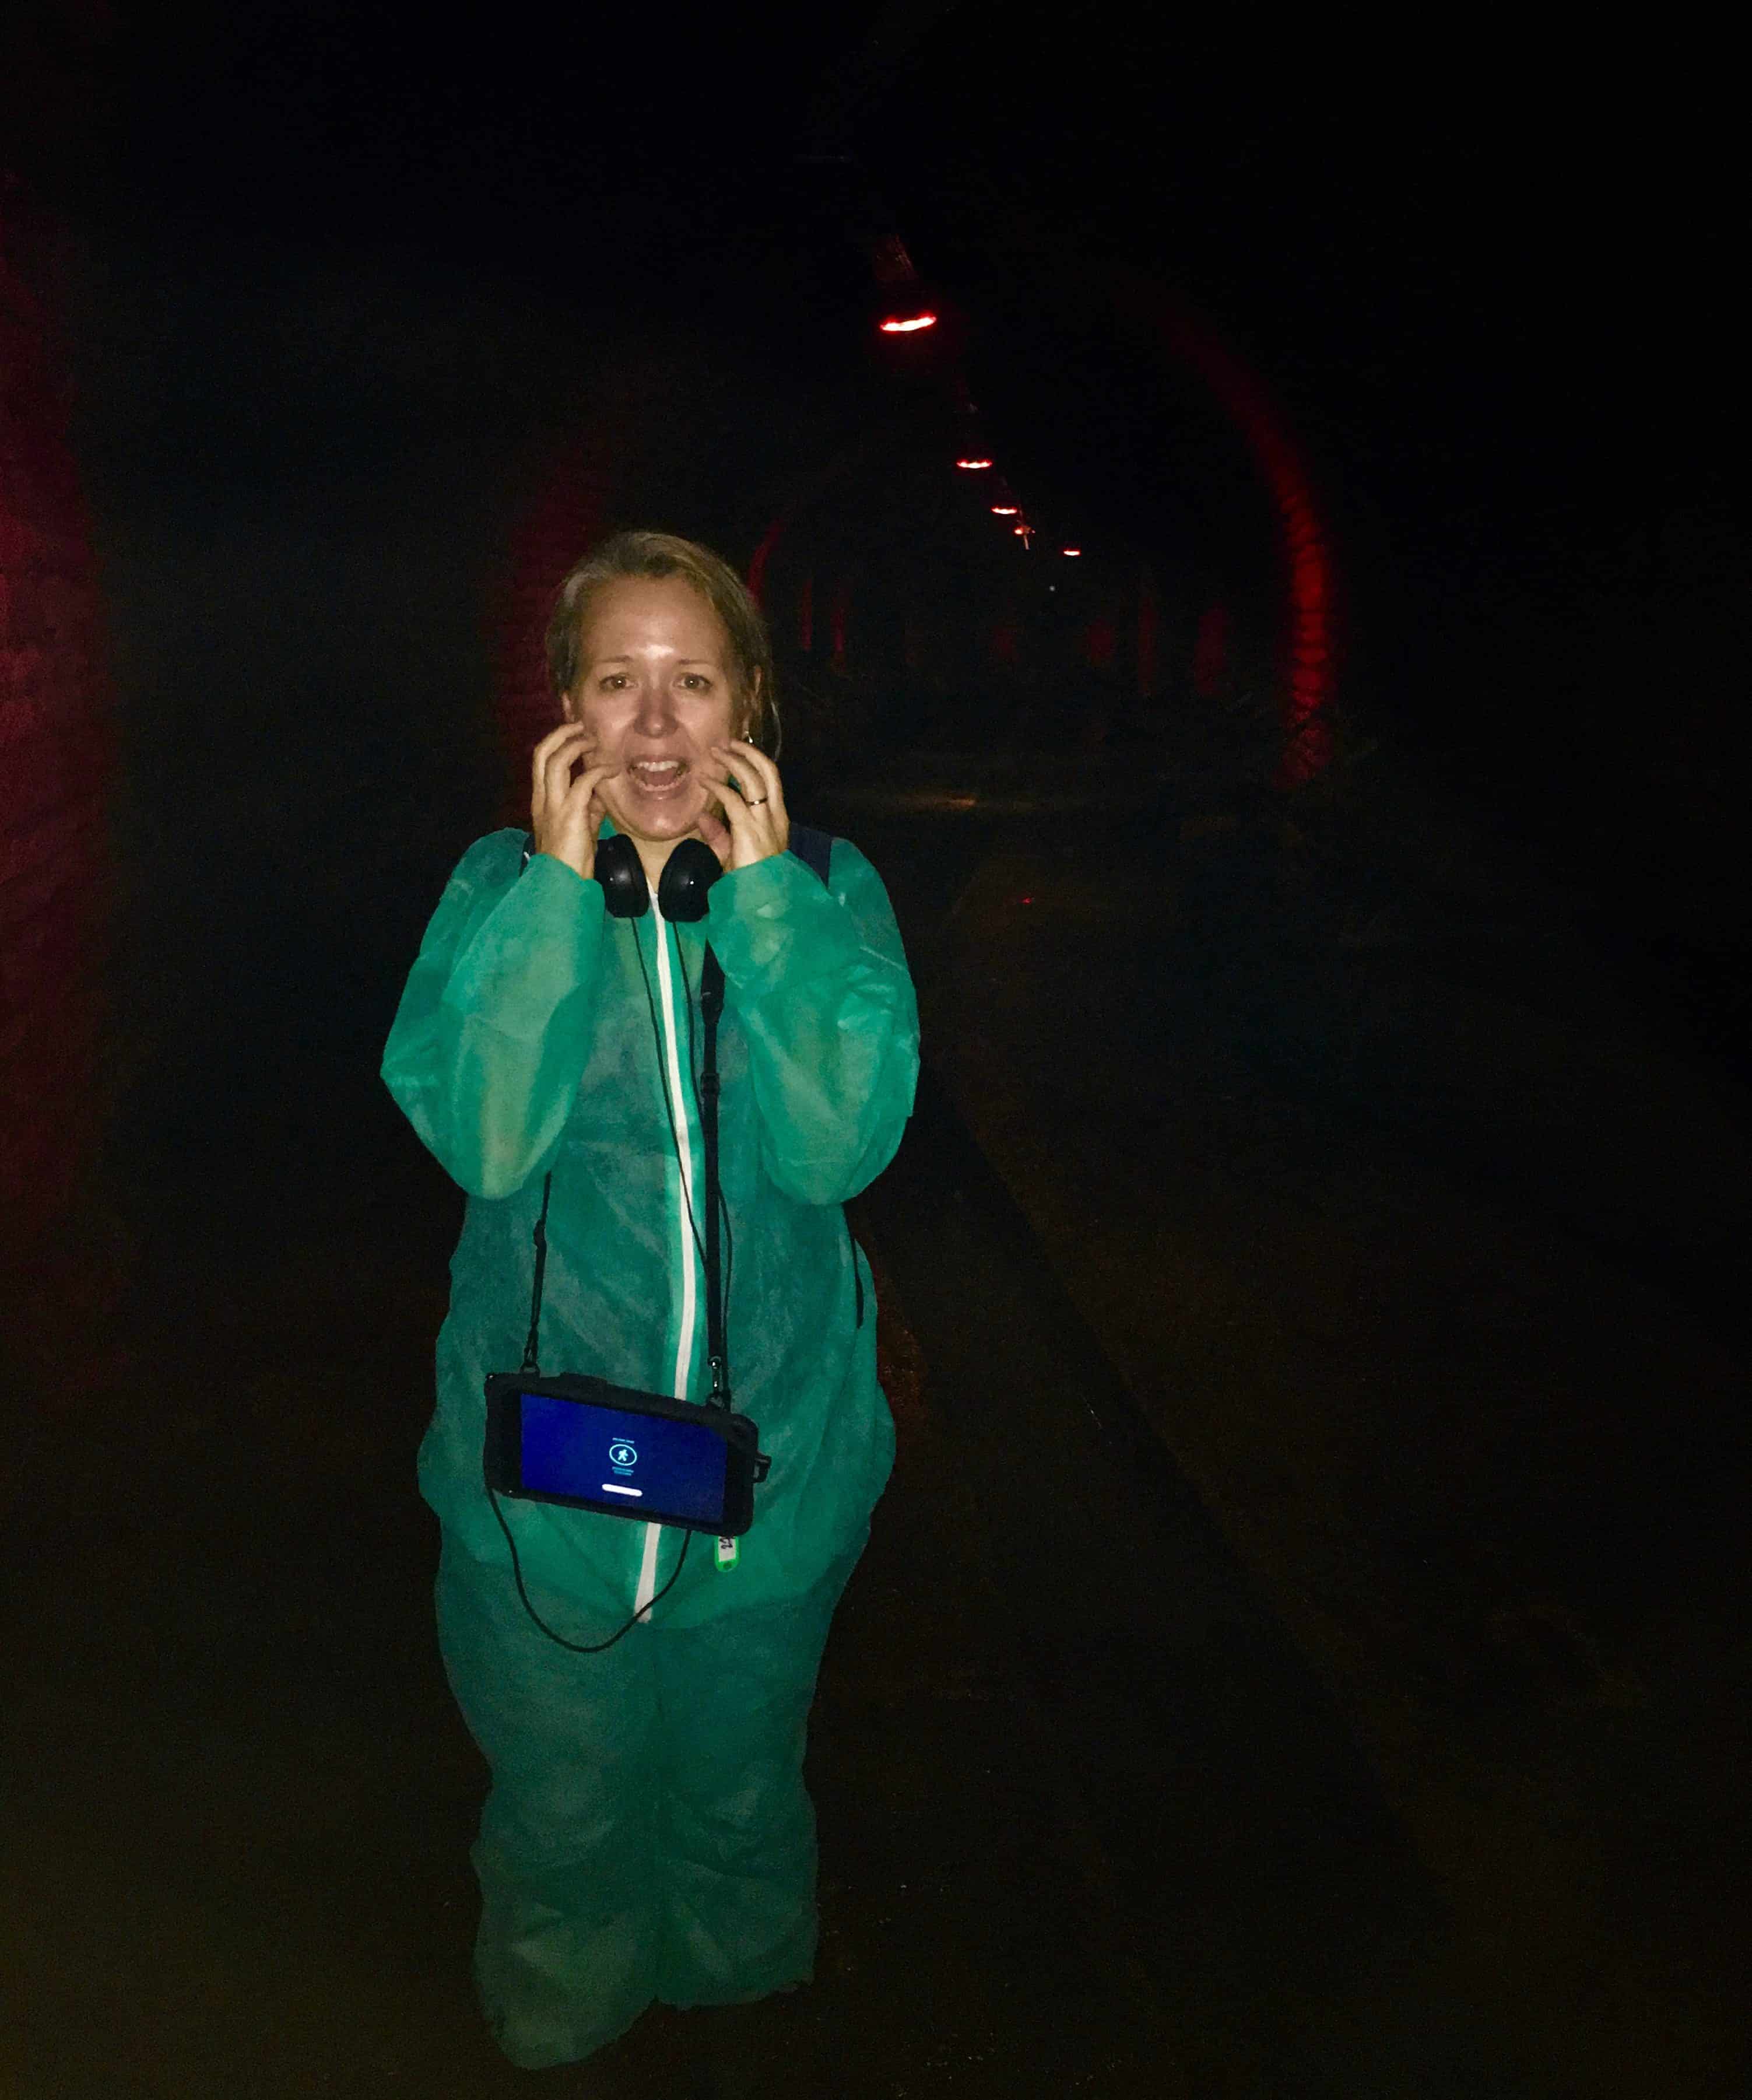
729 797
582 814
716 834
757 772
566 736
747 840
574 738
556 770
748 761
755 833
567 733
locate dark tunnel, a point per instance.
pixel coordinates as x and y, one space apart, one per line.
1255 553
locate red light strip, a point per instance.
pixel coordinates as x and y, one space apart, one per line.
1312 573
896 326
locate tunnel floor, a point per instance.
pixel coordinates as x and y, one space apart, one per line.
1227 1704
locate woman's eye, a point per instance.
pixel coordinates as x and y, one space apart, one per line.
696 683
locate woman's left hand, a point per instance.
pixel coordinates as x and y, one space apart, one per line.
754 825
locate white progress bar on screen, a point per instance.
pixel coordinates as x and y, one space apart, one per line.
614 1488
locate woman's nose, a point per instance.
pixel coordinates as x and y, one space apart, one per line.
657 714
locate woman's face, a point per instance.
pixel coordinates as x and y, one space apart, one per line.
655 688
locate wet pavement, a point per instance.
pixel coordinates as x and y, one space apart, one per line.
1446 1331
1302 1651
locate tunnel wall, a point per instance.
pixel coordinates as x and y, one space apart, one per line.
54 764
565 512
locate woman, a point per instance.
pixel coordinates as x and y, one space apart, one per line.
647 1834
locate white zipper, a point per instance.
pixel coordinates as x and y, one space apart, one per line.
685 1214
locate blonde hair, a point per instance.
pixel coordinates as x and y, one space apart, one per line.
655 557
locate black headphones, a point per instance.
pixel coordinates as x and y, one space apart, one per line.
688 874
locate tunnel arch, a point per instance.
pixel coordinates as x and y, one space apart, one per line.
1145 309
55 761
1154 630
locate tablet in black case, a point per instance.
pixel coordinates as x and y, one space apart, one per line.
584 1444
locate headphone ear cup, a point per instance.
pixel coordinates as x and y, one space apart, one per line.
619 871
690 872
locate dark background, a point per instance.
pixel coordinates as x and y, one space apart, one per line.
338 285
1492 277
1367 1159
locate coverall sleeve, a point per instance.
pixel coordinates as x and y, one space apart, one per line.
819 980
492 1034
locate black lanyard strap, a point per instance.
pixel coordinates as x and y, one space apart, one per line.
532 1348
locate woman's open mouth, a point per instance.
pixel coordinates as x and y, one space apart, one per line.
658 776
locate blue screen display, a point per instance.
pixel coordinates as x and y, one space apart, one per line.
638 1462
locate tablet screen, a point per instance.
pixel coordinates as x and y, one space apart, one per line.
635 1464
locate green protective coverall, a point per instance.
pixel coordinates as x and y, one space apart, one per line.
647 1834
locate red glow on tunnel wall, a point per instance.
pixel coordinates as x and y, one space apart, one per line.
565 517
839 614
1310 642
54 773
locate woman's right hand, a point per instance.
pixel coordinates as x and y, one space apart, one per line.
566 814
